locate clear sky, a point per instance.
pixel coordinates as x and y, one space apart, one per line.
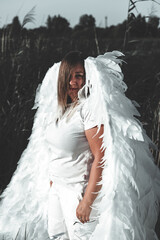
115 10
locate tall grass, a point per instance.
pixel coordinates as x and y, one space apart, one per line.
132 7
23 63
24 59
156 133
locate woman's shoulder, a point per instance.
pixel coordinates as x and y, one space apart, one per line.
88 117
84 106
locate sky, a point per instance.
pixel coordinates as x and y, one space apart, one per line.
114 10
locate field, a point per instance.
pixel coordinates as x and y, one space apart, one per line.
26 55
24 61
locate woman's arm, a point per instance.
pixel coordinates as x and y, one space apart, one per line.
83 210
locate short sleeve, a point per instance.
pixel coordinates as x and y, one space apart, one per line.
88 118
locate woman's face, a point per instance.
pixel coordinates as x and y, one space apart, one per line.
76 81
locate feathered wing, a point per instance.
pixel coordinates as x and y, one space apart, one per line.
130 181
23 208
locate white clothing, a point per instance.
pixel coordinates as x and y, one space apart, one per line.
69 170
71 158
130 191
62 221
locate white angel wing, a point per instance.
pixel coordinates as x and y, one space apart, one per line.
129 205
23 208
130 181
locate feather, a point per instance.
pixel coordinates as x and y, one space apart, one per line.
129 196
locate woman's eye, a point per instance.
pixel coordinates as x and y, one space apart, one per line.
79 76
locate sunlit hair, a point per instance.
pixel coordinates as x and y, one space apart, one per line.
68 63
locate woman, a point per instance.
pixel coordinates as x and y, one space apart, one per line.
70 166
126 206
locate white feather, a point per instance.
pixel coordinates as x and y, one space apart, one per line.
130 180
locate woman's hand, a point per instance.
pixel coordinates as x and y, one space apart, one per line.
83 211
95 141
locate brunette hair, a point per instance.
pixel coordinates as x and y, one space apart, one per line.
69 61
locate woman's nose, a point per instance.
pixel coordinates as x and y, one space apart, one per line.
73 81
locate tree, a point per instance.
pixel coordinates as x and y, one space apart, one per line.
87 21
49 22
153 24
138 26
57 24
16 26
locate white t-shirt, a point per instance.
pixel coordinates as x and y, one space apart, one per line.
71 157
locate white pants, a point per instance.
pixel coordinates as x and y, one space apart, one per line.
62 221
